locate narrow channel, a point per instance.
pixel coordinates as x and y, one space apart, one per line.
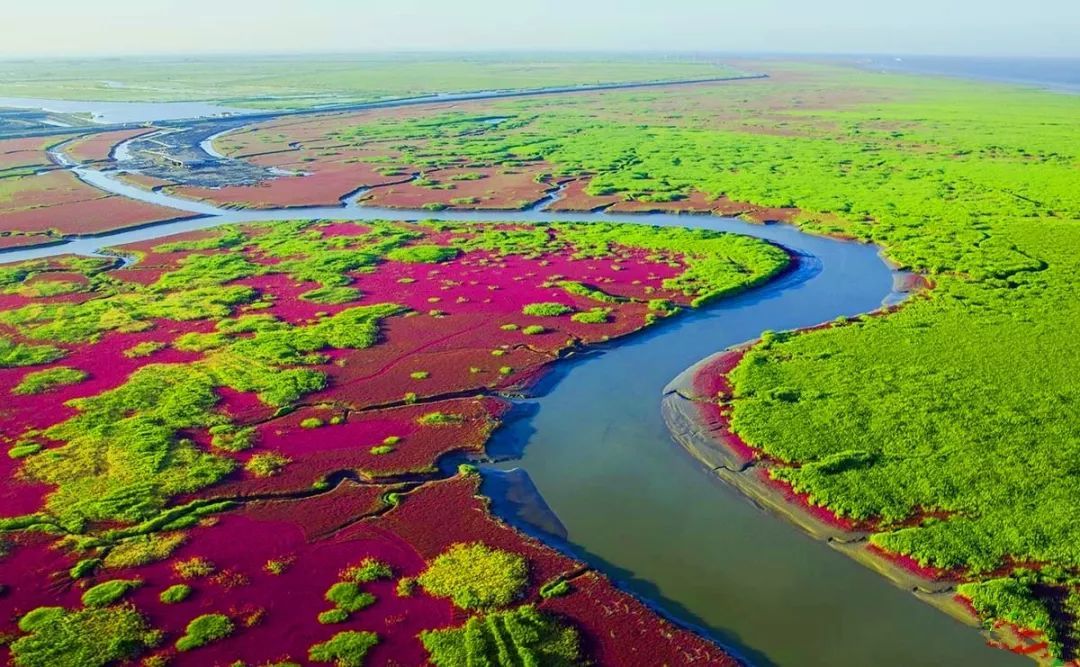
633 503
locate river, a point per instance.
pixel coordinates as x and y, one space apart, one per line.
634 504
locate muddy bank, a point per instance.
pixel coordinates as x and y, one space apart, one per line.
694 411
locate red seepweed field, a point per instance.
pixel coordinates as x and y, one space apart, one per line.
243 448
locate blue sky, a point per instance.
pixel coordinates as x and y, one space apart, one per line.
958 27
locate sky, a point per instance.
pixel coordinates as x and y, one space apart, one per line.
936 27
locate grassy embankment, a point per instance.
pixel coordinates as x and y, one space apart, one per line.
952 423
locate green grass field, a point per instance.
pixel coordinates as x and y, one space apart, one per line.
299 81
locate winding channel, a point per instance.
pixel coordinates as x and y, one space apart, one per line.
632 503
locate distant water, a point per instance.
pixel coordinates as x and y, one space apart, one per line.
1060 74
123 112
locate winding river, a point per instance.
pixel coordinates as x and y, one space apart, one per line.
634 504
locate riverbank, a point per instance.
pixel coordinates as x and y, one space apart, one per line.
696 407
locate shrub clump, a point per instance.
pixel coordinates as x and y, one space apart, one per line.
533 330
91 637
144 349
546 309
423 254
475 576
19 354
369 569
529 636
204 630
175 594
109 592
267 464
440 419
594 316
39 382
345 649
348 597
143 549
193 568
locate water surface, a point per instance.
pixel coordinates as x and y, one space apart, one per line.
123 112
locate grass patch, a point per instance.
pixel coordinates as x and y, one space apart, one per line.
345 649
94 637
204 630
39 382
547 309
475 576
423 254
109 592
523 636
175 594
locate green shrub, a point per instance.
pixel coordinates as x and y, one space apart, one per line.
533 330
143 549
405 587
230 438
266 464
423 254
546 309
144 349
475 576
347 596
332 295
420 375
38 382
345 649
522 636
555 588
20 354
594 316
92 637
439 419
22 451
331 616
312 422
587 291
204 630
382 450
195 567
175 594
84 568
369 569
109 592
1012 601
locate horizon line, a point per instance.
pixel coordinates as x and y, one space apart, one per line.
678 53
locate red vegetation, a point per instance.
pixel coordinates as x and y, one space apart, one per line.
28 152
487 188
98 147
359 473
575 198
909 564
623 631
58 202
324 186
802 501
